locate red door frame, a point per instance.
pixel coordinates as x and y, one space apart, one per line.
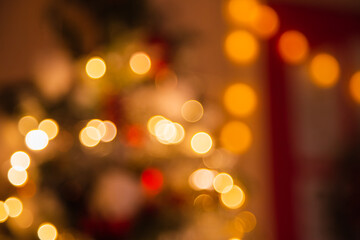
320 27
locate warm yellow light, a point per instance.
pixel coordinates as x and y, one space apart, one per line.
25 219
95 67
26 124
15 206
180 133
245 221
204 201
165 131
234 239
241 47
234 198
47 231
152 123
243 11
293 47
236 137
192 111
240 100
20 160
4 212
17 178
99 125
89 136
201 179
110 132
354 86
50 127
266 23
140 63
324 70
36 140
201 142
223 183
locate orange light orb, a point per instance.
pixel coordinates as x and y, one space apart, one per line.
293 47
266 23
241 47
355 87
324 70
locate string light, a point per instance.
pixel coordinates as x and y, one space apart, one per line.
110 132
201 142
17 178
4 212
89 136
202 179
354 87
36 140
223 183
241 47
95 67
50 127
234 198
266 23
26 124
293 47
245 221
14 206
324 70
20 161
152 123
192 111
240 99
236 137
140 63
99 125
243 11
47 231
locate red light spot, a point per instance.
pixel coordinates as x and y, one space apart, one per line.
134 136
152 180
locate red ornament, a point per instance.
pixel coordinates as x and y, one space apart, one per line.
152 180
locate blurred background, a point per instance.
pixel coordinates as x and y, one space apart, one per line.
165 119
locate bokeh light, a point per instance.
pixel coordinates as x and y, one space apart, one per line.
26 124
36 140
25 219
242 11
110 131
47 231
95 67
15 206
152 123
89 136
234 198
201 142
241 47
293 47
245 221
99 125
236 137
152 180
180 133
4 212
50 127
354 87
192 111
20 160
165 131
204 202
223 183
140 63
240 99
266 24
17 178
202 179
324 70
